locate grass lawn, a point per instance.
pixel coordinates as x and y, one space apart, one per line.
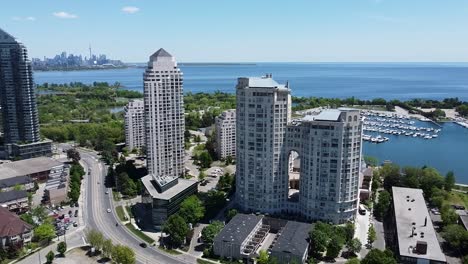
458 198
140 234
120 213
129 211
116 196
170 251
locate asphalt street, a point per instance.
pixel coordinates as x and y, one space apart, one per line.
97 217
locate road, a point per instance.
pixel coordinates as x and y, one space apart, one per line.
96 216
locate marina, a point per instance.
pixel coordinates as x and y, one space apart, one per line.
394 124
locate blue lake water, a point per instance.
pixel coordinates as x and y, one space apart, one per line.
362 80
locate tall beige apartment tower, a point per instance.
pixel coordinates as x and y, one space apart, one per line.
164 130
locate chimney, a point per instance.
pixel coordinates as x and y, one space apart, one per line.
425 221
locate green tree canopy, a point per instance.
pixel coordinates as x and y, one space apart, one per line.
44 232
62 248
107 247
449 181
73 155
383 204
123 254
376 256
354 246
210 231
94 238
177 229
50 256
456 236
192 209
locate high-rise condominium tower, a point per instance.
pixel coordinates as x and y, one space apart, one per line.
263 111
134 115
164 115
165 126
225 125
18 101
328 145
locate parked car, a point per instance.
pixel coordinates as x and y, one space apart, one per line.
76 213
70 212
75 224
108 210
143 245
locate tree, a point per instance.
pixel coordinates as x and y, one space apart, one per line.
62 248
230 214
263 257
448 215
50 256
371 236
107 247
456 236
192 209
94 238
205 159
376 256
177 229
430 179
353 261
371 161
318 241
228 160
334 246
123 254
383 204
349 231
210 231
44 232
74 155
449 181
202 175
391 175
354 246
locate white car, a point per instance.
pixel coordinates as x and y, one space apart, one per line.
108 210
107 192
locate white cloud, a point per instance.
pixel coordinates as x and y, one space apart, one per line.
29 18
130 9
65 15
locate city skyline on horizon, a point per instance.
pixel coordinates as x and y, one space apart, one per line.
241 31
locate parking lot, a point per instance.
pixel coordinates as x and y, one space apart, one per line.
65 218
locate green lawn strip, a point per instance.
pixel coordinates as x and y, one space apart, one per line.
120 213
170 251
140 234
116 196
129 211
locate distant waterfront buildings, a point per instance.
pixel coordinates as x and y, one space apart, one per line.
70 61
164 129
226 134
328 145
134 116
18 102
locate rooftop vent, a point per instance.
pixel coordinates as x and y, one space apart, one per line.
421 247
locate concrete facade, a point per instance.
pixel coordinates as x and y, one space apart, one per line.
134 116
226 134
164 118
329 147
20 119
164 130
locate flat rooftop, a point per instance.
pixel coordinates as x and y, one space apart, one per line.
411 211
239 228
182 185
293 239
264 82
27 167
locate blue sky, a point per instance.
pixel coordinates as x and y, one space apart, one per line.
245 30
